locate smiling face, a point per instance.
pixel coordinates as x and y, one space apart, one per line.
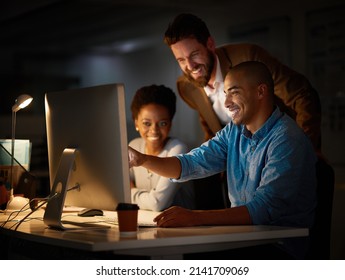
249 90
154 124
242 100
196 60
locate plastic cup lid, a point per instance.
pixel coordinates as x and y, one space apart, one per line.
127 206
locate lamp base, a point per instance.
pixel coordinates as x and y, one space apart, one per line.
17 203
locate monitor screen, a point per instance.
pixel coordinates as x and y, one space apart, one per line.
87 149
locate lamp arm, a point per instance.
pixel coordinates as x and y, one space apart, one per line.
14 115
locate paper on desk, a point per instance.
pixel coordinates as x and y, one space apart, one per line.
145 217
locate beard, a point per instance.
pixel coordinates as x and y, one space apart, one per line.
208 67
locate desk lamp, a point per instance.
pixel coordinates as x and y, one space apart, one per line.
16 203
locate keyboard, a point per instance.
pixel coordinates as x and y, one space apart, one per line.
145 218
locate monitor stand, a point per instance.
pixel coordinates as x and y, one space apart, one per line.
56 200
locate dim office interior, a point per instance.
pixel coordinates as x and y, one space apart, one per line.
53 45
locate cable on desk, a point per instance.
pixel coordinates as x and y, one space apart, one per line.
16 213
45 201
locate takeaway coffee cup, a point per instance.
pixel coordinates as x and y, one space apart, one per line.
127 215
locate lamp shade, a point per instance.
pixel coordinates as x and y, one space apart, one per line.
21 102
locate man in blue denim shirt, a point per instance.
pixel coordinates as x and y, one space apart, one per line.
270 162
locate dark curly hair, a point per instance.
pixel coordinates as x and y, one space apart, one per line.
156 94
186 26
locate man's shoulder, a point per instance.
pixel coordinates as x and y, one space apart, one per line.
230 55
183 81
238 47
288 131
186 87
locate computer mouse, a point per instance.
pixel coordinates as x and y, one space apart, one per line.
87 212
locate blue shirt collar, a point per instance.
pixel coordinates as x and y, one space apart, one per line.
267 126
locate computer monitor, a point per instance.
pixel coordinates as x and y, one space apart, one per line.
87 150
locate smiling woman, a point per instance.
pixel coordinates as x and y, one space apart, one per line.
153 108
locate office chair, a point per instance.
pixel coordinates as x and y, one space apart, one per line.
211 193
320 233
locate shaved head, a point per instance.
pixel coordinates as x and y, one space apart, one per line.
256 73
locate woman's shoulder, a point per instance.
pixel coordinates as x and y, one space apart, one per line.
173 141
176 144
136 143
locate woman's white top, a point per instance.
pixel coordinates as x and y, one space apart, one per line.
154 192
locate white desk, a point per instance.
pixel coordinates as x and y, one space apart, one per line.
157 243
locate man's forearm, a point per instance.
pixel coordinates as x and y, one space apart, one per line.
169 167
230 216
